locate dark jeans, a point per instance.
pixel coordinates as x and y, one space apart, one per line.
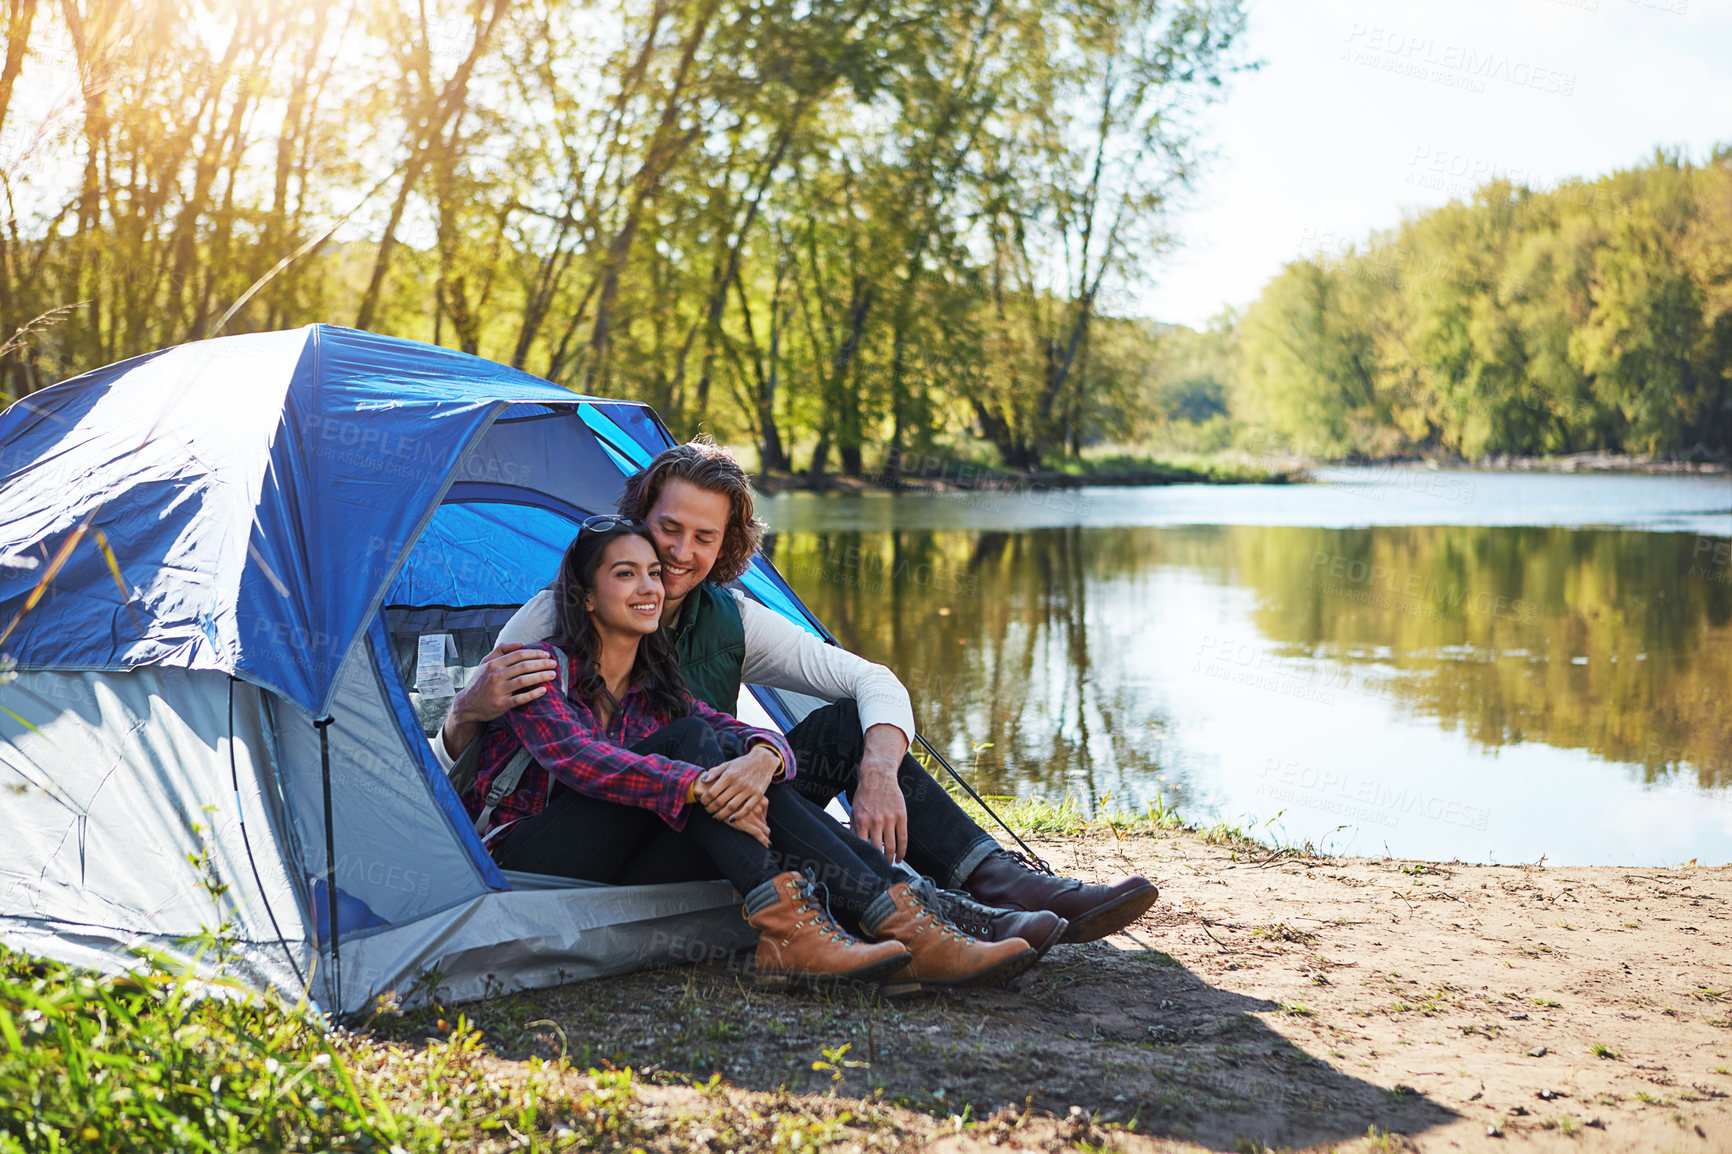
578 836
943 842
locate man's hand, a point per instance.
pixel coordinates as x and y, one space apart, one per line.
507 677
753 817
732 786
877 810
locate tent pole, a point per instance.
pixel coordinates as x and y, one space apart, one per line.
323 725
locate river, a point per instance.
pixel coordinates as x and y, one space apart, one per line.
1487 667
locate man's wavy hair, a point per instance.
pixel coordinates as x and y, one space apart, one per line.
708 466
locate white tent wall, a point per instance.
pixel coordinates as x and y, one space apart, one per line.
123 822
396 850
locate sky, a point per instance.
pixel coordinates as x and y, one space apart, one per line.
1366 111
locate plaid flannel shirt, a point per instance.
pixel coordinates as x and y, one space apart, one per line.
570 745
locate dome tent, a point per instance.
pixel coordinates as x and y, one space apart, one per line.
265 553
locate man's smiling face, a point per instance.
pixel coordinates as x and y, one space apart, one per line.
688 524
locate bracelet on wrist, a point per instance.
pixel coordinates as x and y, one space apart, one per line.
781 766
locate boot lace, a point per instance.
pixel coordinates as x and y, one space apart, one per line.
814 900
931 901
971 917
1031 864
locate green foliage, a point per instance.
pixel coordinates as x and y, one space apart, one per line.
836 1063
90 1063
154 1061
820 226
833 229
1595 315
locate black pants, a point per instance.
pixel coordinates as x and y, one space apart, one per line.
943 842
583 837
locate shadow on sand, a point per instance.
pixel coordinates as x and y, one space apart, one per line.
1129 1036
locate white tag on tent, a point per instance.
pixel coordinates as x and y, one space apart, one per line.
432 679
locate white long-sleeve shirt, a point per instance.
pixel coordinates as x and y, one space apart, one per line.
779 655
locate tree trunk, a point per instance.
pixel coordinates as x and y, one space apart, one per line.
450 99
20 14
844 392
773 457
665 147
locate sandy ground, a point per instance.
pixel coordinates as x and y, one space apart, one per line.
1267 1002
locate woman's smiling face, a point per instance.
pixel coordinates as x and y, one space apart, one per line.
628 594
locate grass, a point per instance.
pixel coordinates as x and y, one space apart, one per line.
149 1062
1181 467
144 1062
977 463
1282 932
1038 817
1156 957
1601 1050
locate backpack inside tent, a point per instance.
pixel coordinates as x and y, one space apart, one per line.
269 558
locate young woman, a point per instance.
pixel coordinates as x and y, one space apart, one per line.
630 784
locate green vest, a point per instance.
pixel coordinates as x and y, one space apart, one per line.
711 642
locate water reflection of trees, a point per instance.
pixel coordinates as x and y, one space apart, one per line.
992 634
1611 641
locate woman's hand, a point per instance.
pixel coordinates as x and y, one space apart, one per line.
756 822
751 818
732 786
509 676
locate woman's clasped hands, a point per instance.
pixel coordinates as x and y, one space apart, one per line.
733 792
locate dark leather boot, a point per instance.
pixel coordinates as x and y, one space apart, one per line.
1041 929
1007 880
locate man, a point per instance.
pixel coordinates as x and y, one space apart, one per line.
697 502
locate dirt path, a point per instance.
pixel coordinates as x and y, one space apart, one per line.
1284 1003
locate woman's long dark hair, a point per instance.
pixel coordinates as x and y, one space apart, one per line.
656 672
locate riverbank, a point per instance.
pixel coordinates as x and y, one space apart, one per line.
1701 464
944 475
936 475
1270 1000
1704 464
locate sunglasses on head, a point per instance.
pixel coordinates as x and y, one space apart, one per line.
602 522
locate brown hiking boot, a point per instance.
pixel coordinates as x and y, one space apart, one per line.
943 956
1008 881
799 943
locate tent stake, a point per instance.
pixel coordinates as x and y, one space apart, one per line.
323 725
